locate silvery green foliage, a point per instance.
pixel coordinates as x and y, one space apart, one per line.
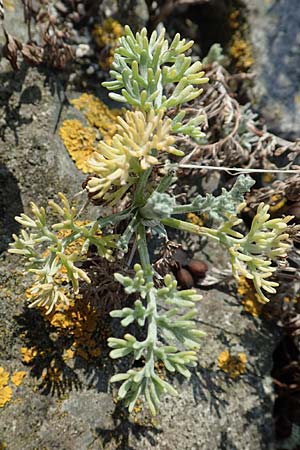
222 206
143 68
245 136
215 54
228 202
175 326
158 206
46 252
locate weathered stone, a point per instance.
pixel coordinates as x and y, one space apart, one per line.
275 35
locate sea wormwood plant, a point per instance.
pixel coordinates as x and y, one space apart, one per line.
152 76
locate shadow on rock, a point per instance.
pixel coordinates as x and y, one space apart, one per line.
124 428
66 349
12 115
10 206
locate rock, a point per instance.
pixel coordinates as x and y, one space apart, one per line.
275 35
94 410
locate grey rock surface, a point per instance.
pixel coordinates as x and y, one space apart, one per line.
275 35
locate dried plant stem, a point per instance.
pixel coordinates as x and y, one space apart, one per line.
236 169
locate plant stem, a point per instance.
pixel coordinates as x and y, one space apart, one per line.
151 300
143 249
190 227
141 186
113 219
183 209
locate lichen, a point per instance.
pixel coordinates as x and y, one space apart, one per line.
80 321
5 390
98 115
233 365
196 220
249 297
240 49
17 377
106 38
79 142
28 354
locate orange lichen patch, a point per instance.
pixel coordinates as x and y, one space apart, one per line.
233 20
160 370
5 390
106 37
233 365
267 178
196 220
294 300
277 201
241 51
250 299
4 377
79 320
79 142
5 395
98 115
17 377
28 354
107 32
239 48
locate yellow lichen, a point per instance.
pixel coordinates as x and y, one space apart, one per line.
233 20
4 377
5 395
239 48
17 377
68 354
241 51
5 390
9 5
250 299
233 365
98 115
277 201
79 141
196 220
106 37
78 320
28 354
